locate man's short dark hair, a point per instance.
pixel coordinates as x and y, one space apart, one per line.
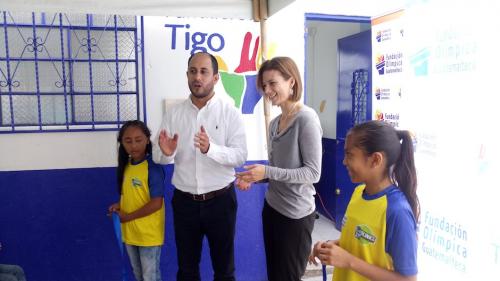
215 64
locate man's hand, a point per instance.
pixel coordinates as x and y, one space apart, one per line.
167 145
202 141
315 253
242 185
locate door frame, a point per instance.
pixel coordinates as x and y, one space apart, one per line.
327 185
328 18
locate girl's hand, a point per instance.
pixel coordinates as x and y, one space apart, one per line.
167 145
330 253
242 185
113 208
253 173
124 217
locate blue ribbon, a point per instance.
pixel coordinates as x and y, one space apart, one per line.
324 272
118 234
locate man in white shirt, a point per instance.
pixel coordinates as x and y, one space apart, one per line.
205 138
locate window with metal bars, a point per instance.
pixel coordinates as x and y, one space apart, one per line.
68 72
359 92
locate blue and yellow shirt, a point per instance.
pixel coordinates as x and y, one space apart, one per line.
381 230
141 182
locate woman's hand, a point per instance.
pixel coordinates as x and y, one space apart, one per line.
252 174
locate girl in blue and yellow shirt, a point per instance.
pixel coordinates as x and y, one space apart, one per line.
378 239
141 208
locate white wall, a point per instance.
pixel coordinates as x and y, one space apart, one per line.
98 149
57 151
219 8
368 8
286 31
321 67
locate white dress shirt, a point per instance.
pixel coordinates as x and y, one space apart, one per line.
195 172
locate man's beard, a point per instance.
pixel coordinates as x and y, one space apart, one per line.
201 95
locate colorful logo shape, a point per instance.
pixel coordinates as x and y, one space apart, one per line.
380 65
364 234
379 36
137 183
377 93
240 84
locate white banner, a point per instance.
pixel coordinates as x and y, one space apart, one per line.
169 41
450 105
388 68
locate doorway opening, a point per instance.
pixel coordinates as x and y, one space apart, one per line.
325 91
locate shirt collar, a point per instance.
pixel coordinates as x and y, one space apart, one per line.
207 105
379 194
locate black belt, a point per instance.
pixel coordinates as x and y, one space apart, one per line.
208 195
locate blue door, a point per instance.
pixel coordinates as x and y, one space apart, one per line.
354 106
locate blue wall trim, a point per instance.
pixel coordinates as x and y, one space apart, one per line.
53 223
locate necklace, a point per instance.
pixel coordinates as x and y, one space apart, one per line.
286 117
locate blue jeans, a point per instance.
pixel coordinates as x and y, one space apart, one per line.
9 272
145 262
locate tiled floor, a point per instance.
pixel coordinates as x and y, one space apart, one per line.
324 229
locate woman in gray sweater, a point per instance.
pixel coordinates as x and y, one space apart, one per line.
294 166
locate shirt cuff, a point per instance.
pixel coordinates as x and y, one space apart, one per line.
267 172
164 159
213 150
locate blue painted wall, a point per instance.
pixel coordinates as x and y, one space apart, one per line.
53 223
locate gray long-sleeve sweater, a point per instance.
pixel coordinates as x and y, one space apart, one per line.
294 164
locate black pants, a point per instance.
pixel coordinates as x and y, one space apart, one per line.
288 244
215 218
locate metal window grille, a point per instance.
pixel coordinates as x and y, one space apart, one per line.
68 72
359 92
